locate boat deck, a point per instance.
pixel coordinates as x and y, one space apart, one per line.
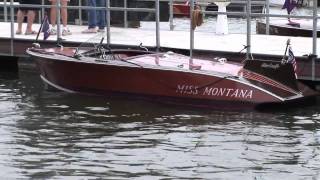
172 60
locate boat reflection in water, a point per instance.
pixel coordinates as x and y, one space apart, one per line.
169 77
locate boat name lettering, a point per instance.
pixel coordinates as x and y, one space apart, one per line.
187 89
228 92
214 91
270 65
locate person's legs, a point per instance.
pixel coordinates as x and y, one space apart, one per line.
101 15
92 15
30 18
20 17
64 16
64 13
53 17
53 13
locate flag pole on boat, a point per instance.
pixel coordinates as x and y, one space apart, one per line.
285 52
44 20
41 25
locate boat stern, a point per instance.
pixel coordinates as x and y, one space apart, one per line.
279 79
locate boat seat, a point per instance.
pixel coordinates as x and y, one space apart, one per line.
122 56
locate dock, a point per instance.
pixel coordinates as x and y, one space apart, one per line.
206 44
261 44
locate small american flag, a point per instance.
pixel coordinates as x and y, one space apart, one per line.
45 28
292 60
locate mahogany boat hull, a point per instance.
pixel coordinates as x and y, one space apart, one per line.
183 87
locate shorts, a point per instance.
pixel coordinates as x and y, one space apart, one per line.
34 2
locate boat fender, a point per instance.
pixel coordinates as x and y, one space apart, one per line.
197 18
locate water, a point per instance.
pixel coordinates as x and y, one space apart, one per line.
56 135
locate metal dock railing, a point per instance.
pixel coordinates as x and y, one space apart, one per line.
11 5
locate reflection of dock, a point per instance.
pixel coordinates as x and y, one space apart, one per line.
207 44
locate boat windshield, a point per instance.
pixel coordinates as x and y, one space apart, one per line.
93 46
97 47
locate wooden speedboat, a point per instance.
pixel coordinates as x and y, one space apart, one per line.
170 77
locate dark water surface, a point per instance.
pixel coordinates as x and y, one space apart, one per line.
56 135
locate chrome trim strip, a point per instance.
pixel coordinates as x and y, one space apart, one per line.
56 86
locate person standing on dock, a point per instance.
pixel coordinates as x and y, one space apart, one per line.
30 13
290 5
64 17
96 18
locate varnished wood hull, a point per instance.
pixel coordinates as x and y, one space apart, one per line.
175 86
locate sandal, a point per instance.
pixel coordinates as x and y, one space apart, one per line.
18 32
30 33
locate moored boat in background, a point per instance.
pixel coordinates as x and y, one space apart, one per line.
288 26
282 27
183 8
